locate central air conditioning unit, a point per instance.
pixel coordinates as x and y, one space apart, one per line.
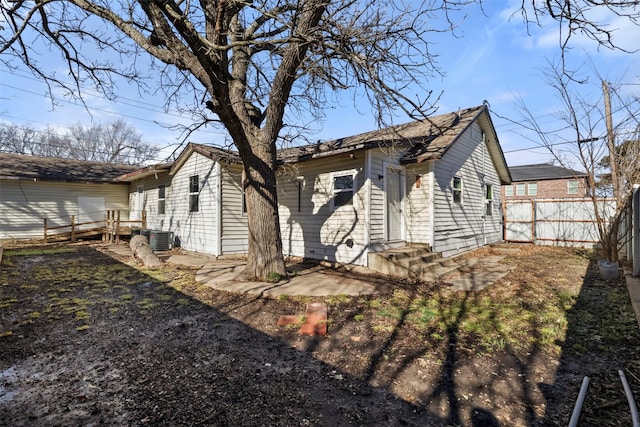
160 240
141 232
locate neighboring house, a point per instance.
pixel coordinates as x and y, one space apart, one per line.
433 182
34 188
544 181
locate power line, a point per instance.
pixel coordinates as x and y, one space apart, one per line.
88 92
71 145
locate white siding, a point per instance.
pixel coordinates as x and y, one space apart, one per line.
314 230
463 226
377 201
234 222
195 231
25 204
418 204
199 231
150 200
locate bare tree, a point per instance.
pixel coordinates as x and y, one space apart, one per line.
18 139
116 142
251 62
578 17
599 132
248 62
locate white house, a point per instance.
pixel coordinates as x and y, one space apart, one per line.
34 188
434 183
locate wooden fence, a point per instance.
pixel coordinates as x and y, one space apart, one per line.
560 222
111 228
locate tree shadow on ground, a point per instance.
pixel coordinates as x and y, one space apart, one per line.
114 346
602 338
481 358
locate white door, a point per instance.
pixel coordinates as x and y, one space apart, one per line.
139 207
91 209
393 188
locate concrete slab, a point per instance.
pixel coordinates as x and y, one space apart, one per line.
484 272
311 281
190 259
476 280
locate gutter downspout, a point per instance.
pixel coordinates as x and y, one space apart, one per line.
218 208
367 207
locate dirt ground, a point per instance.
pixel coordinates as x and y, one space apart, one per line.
87 339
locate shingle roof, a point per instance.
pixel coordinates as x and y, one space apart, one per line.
417 141
16 166
423 140
217 154
542 171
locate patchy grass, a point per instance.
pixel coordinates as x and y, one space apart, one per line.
37 251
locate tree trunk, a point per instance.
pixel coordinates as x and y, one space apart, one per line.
265 242
143 252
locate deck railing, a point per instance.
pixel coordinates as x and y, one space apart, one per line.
111 228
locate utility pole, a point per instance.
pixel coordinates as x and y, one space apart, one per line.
611 144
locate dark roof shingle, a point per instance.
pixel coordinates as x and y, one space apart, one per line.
17 166
542 171
423 140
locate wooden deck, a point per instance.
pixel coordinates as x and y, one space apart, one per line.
111 229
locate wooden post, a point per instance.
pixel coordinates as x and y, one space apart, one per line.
533 222
106 226
144 219
118 226
45 230
73 228
109 226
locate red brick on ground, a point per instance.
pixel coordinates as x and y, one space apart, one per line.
316 319
287 320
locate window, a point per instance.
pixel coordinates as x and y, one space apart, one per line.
194 189
488 199
533 189
572 187
161 199
300 184
244 201
508 190
457 189
343 190
520 189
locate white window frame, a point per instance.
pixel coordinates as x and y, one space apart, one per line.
455 190
162 199
532 189
488 199
194 194
573 187
299 189
508 190
521 189
353 173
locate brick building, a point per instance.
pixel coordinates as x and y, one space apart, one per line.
544 181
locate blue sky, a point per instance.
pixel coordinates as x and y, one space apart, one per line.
492 57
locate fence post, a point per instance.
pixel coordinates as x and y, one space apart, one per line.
144 219
73 228
118 226
635 231
533 221
45 230
106 226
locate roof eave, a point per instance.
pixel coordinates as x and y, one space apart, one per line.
144 172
